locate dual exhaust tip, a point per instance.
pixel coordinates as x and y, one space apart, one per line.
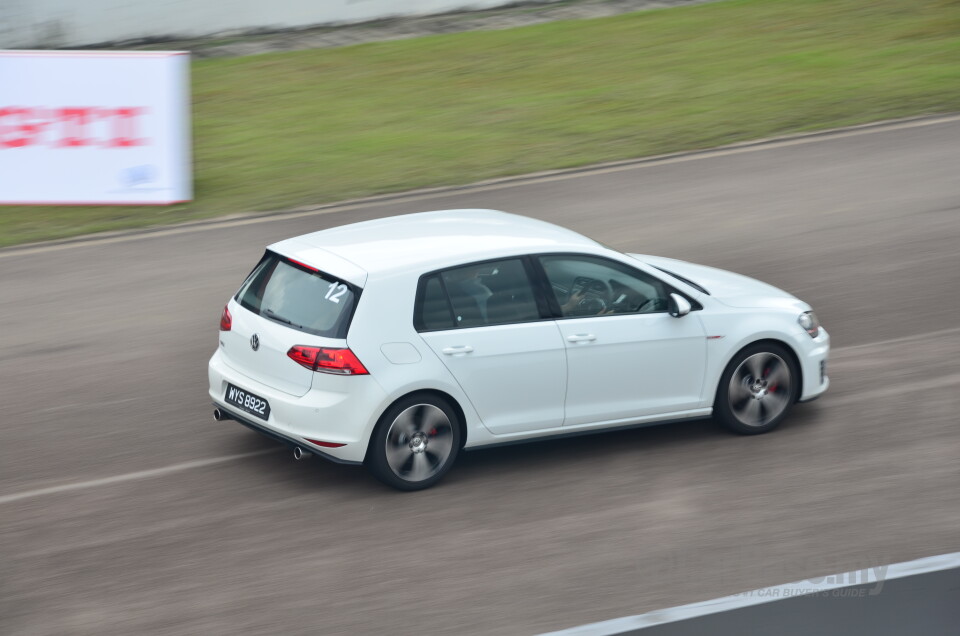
298 452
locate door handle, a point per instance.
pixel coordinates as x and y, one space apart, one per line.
581 337
458 350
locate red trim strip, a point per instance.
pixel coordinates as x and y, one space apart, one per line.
324 444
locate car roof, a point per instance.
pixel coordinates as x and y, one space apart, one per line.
430 240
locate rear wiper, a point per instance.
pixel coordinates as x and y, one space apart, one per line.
270 313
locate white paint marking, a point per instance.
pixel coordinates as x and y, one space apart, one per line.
487 186
944 382
78 405
902 339
817 585
116 479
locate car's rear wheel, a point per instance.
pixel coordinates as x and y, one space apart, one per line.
757 389
415 442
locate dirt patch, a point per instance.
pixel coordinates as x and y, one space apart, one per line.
233 44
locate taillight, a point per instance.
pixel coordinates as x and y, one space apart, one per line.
338 361
226 320
304 356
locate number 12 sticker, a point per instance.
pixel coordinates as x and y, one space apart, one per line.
335 291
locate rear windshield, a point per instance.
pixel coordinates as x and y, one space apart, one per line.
299 296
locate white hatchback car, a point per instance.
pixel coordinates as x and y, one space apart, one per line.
401 341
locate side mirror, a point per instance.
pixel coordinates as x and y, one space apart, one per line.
678 306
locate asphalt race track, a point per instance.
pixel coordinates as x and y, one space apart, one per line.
125 509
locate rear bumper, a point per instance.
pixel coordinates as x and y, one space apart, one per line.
280 437
343 411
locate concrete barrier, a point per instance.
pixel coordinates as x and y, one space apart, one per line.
66 23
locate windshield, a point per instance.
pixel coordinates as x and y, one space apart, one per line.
299 296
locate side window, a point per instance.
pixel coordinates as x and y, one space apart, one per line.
435 310
480 294
592 286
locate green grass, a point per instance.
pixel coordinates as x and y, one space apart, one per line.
281 130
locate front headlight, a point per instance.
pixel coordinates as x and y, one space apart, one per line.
808 320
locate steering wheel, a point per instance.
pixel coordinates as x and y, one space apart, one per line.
595 292
649 305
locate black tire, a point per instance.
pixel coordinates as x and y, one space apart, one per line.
757 389
415 442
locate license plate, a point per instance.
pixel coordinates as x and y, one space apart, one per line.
247 401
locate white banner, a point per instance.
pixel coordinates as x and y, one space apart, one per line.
94 127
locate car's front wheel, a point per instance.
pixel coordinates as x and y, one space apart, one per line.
757 389
415 442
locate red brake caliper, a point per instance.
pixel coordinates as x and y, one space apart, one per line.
773 387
